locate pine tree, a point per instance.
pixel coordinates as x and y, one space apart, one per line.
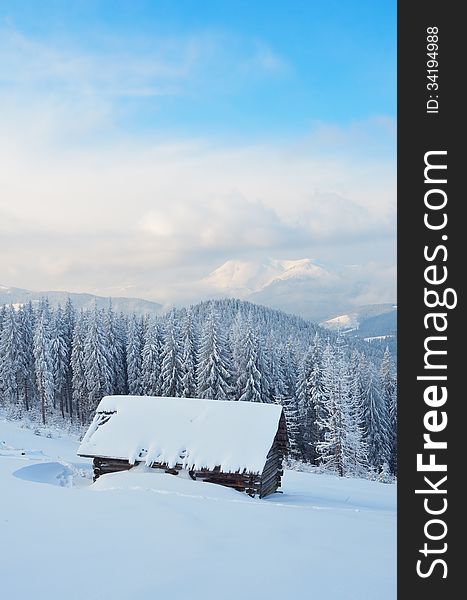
336 447
120 365
235 338
60 359
151 363
376 420
384 475
78 368
306 407
289 401
43 357
340 404
69 316
3 310
278 387
171 370
357 460
26 377
292 420
289 369
10 343
188 359
317 396
281 381
264 367
97 367
213 379
134 350
250 384
268 358
389 397
393 431
110 331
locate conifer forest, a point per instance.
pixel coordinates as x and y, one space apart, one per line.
339 394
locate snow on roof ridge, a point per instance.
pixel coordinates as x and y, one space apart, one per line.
196 433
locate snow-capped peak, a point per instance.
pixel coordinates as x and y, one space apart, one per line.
244 277
299 268
342 322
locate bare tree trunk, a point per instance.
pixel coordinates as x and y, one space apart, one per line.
26 396
69 397
43 407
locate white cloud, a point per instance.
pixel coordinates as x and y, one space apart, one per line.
152 217
264 58
81 212
67 67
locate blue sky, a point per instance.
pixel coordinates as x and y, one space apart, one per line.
232 67
168 137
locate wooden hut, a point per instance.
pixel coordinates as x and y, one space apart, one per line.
236 444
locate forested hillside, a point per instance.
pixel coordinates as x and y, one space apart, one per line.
339 395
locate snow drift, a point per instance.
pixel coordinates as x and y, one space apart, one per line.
142 535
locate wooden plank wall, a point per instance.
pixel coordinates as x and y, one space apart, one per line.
272 473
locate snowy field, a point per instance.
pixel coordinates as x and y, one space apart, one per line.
143 535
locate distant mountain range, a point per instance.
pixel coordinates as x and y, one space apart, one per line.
374 320
18 296
299 287
296 286
249 277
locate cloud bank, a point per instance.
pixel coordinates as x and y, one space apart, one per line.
87 205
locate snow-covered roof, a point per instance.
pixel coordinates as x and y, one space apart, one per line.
198 434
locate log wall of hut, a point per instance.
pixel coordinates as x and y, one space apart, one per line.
272 473
242 482
261 484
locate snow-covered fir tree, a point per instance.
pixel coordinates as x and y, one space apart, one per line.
357 460
307 388
328 448
393 431
134 351
213 378
117 351
376 419
235 342
60 359
250 383
341 444
43 360
276 371
97 366
3 310
121 381
69 325
151 359
287 365
171 368
78 368
26 378
340 400
388 386
264 367
189 357
317 394
10 349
